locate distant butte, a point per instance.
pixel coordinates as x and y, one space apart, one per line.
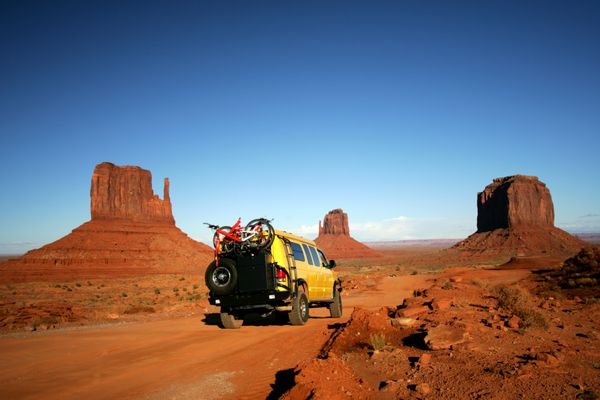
515 217
131 232
334 238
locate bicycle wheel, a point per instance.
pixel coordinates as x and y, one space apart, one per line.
221 242
258 234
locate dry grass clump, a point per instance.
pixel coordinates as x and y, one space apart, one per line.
519 301
377 341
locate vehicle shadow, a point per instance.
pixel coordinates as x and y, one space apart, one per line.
250 319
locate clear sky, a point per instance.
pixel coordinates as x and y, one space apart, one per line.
398 112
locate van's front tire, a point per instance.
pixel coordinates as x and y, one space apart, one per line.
229 321
299 314
335 308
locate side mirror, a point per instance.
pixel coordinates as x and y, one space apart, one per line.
331 264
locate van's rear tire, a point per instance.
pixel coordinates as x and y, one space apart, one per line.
335 308
222 279
229 321
299 314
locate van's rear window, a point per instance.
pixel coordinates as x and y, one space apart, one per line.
298 254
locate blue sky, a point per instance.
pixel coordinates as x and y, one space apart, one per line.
398 112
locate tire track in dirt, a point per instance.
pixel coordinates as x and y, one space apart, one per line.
170 357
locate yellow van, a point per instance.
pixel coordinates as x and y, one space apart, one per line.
287 278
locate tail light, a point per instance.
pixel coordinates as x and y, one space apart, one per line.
281 277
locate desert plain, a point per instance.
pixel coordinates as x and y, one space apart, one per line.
118 309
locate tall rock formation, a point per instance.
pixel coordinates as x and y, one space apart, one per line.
515 216
126 193
131 232
518 200
334 238
335 223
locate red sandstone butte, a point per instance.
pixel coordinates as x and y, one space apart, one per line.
131 232
334 238
126 193
515 217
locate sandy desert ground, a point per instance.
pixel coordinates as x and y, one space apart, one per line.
167 345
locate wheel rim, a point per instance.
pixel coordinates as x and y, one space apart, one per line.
221 277
303 309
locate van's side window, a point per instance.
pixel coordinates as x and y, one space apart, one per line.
323 259
298 254
310 261
315 256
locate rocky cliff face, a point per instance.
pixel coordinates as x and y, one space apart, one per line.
126 193
132 232
513 201
334 238
515 217
335 223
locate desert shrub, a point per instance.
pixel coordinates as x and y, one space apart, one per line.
157 291
182 279
195 286
193 297
139 309
44 320
446 284
479 283
176 289
414 272
124 294
518 300
184 289
90 283
377 341
57 286
78 284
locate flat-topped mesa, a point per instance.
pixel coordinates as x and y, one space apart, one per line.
335 223
512 201
126 193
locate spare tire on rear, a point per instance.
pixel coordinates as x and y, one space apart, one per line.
221 279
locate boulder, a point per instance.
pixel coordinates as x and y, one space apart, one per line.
443 337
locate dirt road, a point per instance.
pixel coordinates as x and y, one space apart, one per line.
175 358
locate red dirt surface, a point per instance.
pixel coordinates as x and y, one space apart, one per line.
460 338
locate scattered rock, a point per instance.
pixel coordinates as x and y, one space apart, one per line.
444 337
403 322
411 312
425 359
547 358
514 322
423 388
441 304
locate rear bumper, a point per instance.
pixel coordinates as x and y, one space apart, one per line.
257 299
